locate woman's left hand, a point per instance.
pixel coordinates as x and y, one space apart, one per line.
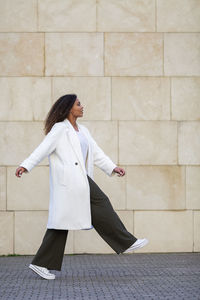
119 170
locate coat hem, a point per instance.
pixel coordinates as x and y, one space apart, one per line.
71 228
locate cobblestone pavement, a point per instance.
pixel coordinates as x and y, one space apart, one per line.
90 276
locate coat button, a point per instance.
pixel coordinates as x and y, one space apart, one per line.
76 163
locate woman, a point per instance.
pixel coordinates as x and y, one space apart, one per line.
76 201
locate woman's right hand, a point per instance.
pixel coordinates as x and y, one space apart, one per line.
20 171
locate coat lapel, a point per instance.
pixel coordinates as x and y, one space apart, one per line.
74 140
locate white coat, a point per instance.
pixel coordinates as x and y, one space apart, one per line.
69 204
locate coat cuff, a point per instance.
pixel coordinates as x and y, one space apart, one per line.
111 167
26 165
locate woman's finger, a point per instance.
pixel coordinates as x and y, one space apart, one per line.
19 172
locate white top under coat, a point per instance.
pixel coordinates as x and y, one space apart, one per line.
84 144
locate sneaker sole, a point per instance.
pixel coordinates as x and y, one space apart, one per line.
138 246
40 273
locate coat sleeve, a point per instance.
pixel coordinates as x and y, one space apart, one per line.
101 160
46 147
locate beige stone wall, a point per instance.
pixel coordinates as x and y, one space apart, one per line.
135 66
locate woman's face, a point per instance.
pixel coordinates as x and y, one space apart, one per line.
77 109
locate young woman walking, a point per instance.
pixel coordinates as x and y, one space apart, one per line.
76 201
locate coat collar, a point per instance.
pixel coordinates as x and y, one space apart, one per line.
69 125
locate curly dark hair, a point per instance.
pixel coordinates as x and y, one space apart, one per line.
59 111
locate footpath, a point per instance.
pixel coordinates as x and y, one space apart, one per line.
105 276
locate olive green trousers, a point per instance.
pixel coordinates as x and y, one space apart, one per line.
105 221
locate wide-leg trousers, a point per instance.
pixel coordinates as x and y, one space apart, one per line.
105 221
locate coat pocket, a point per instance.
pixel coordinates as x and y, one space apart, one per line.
64 176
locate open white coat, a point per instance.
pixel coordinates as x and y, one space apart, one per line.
69 204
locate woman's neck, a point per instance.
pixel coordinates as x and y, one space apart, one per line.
73 122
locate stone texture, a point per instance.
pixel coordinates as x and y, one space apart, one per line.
2 188
30 227
128 16
105 135
178 15
196 231
30 192
24 52
135 98
167 231
18 140
113 187
133 54
69 247
147 142
67 15
185 98
192 187
18 15
6 233
89 241
155 187
134 64
94 94
75 54
182 54
24 98
83 238
188 143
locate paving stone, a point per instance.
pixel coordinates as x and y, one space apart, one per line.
108 276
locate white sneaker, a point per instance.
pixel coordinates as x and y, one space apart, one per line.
43 272
138 244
